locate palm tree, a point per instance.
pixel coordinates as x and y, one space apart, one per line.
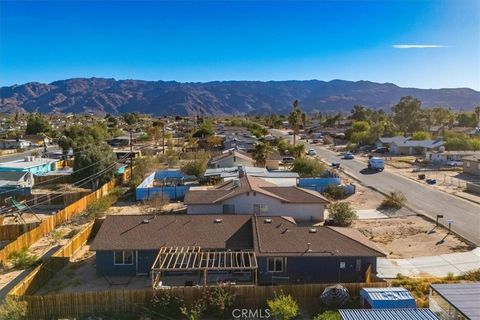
299 150
294 120
261 153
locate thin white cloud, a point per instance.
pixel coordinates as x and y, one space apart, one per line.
417 46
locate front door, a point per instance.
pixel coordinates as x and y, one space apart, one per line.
142 263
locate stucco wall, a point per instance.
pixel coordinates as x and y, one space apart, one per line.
244 205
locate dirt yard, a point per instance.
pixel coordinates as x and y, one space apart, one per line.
364 198
407 237
80 275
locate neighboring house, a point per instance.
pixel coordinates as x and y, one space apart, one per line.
252 195
240 142
16 182
471 165
454 301
442 157
37 166
231 158
407 146
277 177
270 249
15 144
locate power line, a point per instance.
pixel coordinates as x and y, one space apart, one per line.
82 182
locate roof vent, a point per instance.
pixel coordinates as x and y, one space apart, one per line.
236 182
312 230
217 220
267 220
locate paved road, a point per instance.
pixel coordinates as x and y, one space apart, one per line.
21 155
420 198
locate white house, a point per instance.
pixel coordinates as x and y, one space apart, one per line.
406 146
231 158
443 157
252 195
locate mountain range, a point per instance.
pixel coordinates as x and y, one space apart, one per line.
101 95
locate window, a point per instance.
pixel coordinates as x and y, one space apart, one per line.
468 164
358 265
123 257
228 208
260 208
342 265
275 264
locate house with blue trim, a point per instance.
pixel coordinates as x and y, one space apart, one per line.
235 248
37 166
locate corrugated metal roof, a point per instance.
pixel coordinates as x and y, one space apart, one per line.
465 297
387 314
393 293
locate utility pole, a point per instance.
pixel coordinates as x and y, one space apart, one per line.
163 137
131 152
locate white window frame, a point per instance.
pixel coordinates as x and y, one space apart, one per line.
115 252
275 259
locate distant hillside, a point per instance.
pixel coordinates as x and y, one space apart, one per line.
218 98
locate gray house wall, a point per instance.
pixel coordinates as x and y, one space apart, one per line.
316 269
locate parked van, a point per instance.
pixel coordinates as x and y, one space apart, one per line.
288 159
376 163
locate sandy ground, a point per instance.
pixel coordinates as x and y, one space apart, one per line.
80 275
364 198
131 208
407 237
42 249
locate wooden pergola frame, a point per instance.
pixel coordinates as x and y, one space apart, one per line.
185 259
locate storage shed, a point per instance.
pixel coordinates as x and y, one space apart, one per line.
386 298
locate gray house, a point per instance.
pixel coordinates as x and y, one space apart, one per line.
400 145
16 182
237 248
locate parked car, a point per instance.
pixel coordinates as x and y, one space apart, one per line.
290 133
381 150
454 163
348 156
312 152
315 141
288 159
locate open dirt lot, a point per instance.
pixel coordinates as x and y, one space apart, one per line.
407 237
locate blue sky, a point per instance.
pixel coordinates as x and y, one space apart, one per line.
227 40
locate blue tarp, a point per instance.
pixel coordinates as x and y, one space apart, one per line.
386 298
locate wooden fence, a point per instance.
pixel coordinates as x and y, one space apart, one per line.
122 301
13 231
62 216
41 274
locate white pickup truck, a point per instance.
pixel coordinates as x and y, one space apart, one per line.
376 163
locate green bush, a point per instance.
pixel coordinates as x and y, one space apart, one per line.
472 275
13 309
328 315
166 304
195 168
194 311
23 259
394 200
219 301
342 214
283 307
306 167
335 192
